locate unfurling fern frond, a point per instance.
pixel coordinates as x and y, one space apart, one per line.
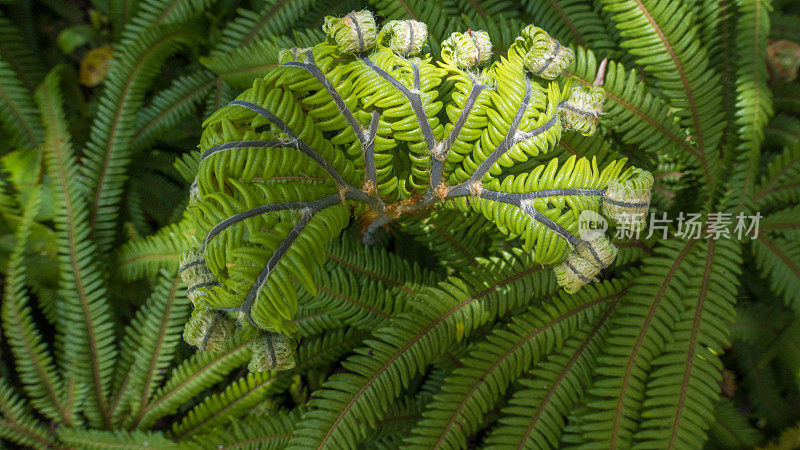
354 123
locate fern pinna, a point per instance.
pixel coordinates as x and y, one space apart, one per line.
382 242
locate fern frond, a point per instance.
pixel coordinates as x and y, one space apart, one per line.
684 383
777 254
240 66
753 97
152 13
441 18
472 389
274 18
780 184
730 429
86 329
148 256
351 402
17 113
252 432
573 21
664 38
17 424
19 56
200 371
789 439
536 413
116 439
34 364
149 346
107 153
171 106
632 110
646 317
238 397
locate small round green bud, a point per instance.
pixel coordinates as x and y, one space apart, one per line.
584 263
208 329
546 58
354 33
272 351
598 251
407 37
575 272
582 110
467 50
627 202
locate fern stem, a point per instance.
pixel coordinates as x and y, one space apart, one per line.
314 206
295 140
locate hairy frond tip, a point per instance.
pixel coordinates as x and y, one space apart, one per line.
406 37
272 351
547 58
629 200
354 33
584 263
195 273
194 194
583 109
467 50
293 54
209 329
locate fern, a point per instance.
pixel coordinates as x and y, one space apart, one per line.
363 224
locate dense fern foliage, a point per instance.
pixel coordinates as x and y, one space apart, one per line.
348 224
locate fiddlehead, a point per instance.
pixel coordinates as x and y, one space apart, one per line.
367 125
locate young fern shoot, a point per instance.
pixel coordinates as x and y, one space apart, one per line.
366 125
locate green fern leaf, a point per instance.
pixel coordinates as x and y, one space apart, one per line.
86 331
17 424
116 439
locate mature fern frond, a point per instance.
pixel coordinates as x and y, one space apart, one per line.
777 254
149 346
17 424
631 110
17 113
779 185
663 36
116 439
730 429
34 363
350 402
240 66
648 312
473 389
252 433
107 153
202 370
238 397
574 22
19 55
147 256
275 17
536 413
684 384
170 107
86 331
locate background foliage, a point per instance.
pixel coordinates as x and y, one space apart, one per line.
441 335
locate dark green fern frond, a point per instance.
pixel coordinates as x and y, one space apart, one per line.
86 331
147 256
252 433
18 115
19 55
780 184
473 389
730 429
107 154
777 254
116 439
35 365
574 22
273 18
350 402
663 37
17 424
149 346
171 106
